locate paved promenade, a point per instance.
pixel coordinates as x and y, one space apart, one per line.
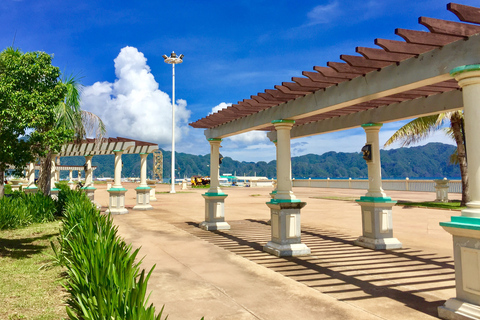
226 275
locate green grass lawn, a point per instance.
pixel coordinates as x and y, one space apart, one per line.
30 285
452 205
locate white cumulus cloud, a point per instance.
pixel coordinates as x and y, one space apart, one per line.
133 106
219 107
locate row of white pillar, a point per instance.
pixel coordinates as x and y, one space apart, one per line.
376 207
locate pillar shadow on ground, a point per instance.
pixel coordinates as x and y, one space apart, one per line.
347 272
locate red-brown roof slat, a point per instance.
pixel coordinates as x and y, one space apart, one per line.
271 98
298 87
329 72
382 55
428 38
465 13
287 90
318 77
403 47
267 99
358 61
449 27
281 95
306 82
346 68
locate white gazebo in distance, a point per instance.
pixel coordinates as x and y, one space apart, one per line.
118 146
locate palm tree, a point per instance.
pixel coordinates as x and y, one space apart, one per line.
420 128
70 115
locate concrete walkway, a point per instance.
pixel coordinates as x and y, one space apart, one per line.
226 275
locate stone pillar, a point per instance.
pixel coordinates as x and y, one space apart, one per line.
53 189
214 197
116 203
441 188
151 184
285 207
274 191
88 187
79 177
465 229
31 187
71 184
377 225
143 190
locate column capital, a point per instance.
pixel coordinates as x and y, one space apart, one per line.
466 75
371 124
215 139
283 121
117 151
283 124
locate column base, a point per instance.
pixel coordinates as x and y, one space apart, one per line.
143 199
378 244
214 212
116 201
54 193
377 224
287 250
286 229
210 226
455 309
151 184
32 189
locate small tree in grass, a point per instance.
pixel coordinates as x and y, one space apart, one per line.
29 93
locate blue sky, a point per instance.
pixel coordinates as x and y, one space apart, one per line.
233 49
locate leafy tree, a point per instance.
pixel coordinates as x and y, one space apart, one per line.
29 94
420 128
70 116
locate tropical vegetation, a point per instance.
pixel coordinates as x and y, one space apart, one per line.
420 128
30 91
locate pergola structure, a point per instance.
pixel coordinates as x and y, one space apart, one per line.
428 73
118 146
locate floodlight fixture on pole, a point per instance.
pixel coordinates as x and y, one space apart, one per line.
173 60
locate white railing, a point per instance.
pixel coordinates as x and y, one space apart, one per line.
454 186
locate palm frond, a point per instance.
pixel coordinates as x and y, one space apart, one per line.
93 125
416 130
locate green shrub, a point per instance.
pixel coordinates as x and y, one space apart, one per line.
8 188
20 210
103 279
14 213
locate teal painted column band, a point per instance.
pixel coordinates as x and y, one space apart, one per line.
143 188
89 188
117 151
283 121
376 199
462 223
117 189
214 194
214 139
462 69
366 125
277 201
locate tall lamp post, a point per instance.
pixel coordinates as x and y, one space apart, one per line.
173 60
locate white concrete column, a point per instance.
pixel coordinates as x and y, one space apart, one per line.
143 190
116 203
143 170
465 228
214 166
374 166
117 182
70 176
31 174
53 171
284 167
469 80
79 176
89 171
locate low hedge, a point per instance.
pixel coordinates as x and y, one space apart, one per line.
20 210
103 279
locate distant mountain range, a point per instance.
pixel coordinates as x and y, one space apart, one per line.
428 161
